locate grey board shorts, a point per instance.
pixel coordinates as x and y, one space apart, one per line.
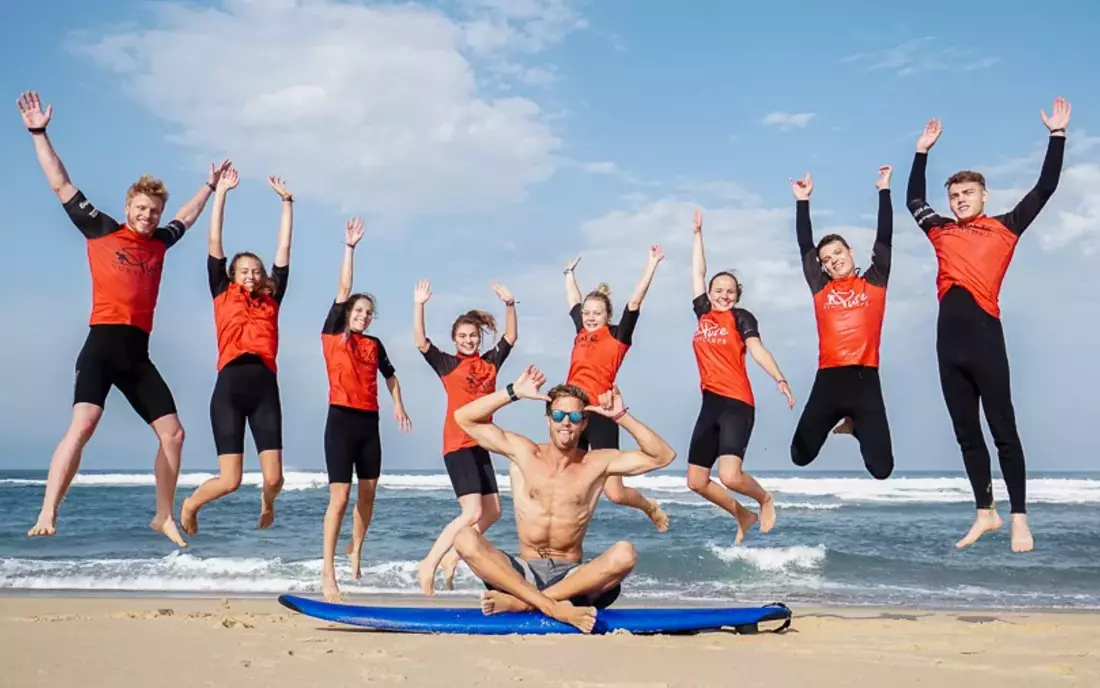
543 573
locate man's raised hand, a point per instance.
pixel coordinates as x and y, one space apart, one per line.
30 109
353 232
1059 117
422 292
528 383
216 172
929 136
227 180
609 404
697 221
883 181
279 185
802 188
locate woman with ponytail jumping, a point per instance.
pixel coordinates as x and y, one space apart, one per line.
466 375
246 317
598 351
353 360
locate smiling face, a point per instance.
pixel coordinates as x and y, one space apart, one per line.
566 432
724 292
836 259
248 271
360 315
143 213
467 339
967 199
594 314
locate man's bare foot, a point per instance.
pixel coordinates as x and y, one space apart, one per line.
496 602
167 527
354 556
767 513
659 518
329 589
267 510
450 567
745 520
583 618
427 578
189 517
1021 534
46 525
987 521
846 427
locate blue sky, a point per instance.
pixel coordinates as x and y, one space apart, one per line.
494 139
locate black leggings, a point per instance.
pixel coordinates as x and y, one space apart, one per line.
970 346
246 390
847 391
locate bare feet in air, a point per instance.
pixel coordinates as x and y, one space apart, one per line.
46 525
189 517
583 618
745 521
267 511
167 527
354 557
426 575
496 602
1021 534
767 513
987 521
846 427
659 518
450 567
329 589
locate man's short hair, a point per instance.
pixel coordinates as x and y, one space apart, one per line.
965 177
561 391
830 238
149 186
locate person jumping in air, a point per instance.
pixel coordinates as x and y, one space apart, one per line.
598 351
728 412
126 262
246 317
973 252
466 375
849 308
353 359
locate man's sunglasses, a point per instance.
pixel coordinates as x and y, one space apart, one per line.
575 417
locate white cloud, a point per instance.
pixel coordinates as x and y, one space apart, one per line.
374 105
602 167
919 55
788 120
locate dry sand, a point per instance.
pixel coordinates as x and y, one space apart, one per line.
121 641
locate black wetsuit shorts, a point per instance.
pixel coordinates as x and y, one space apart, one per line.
352 441
471 471
119 355
246 390
723 428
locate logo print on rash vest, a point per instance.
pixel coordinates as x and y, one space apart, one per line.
135 259
480 381
364 351
846 299
711 332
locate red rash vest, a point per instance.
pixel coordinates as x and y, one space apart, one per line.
465 378
719 345
246 323
353 362
598 355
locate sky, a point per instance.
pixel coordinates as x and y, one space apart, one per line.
488 140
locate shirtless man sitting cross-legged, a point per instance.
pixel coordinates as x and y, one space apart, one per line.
555 488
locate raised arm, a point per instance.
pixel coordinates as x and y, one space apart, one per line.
286 221
36 120
653 451
226 182
698 259
1025 212
804 232
353 232
473 418
421 294
879 272
192 209
572 289
655 258
916 192
511 320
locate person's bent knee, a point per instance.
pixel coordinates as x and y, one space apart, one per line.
882 471
623 556
273 484
800 457
338 495
730 477
171 434
697 482
472 515
616 492
467 541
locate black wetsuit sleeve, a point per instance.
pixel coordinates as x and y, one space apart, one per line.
336 320
279 275
915 194
575 314
216 273
701 305
811 266
441 362
879 272
746 324
624 331
384 365
91 223
499 353
1025 212
170 233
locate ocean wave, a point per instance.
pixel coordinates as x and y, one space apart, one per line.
902 490
799 558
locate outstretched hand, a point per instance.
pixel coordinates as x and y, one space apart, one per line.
802 188
353 231
1059 117
785 390
279 185
216 172
422 292
528 383
403 421
929 136
30 109
883 181
609 404
228 180
697 221
656 255
571 265
502 293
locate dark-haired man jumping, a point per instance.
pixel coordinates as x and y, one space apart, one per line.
974 251
849 308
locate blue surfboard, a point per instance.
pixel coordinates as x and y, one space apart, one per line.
472 621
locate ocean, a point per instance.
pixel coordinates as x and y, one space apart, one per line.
840 538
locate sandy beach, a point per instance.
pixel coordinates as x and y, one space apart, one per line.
116 641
